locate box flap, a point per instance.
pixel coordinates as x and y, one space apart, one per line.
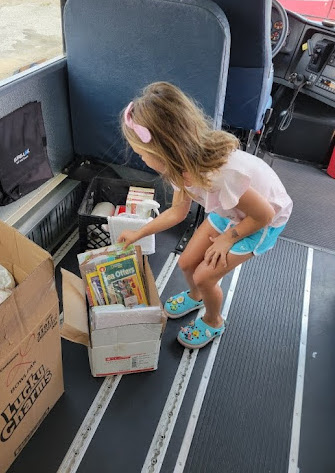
22 254
75 326
139 258
26 306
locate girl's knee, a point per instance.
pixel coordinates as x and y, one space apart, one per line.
202 280
185 263
205 277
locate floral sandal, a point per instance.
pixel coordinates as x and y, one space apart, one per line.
197 334
180 305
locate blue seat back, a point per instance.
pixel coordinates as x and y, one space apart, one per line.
250 75
116 47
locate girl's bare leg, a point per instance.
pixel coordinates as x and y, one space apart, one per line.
194 254
201 278
206 278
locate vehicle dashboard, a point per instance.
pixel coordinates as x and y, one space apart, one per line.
309 52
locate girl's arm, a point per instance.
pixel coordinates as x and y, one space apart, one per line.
167 219
259 213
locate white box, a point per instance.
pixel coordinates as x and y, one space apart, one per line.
124 358
131 345
143 315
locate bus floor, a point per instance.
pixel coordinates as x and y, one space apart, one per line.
259 400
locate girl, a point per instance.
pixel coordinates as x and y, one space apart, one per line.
247 204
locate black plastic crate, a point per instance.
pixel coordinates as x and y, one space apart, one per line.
101 189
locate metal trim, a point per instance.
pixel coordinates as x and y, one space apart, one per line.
299 391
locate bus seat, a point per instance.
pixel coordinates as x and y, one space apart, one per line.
116 47
250 74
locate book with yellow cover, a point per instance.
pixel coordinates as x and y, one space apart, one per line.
122 282
96 294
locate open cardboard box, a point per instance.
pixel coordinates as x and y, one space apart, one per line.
31 377
130 343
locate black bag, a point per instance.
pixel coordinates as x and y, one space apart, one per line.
24 163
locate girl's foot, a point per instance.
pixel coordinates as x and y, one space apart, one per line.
180 305
197 334
214 323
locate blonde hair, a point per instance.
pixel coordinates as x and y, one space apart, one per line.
182 136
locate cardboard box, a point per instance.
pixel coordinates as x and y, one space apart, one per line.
130 344
31 376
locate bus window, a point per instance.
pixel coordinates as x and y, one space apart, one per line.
316 10
30 33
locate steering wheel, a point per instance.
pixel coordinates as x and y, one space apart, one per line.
282 21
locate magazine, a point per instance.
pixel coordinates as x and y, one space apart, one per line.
122 282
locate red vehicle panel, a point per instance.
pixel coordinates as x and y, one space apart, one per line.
313 9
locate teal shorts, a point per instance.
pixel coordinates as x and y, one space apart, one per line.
257 243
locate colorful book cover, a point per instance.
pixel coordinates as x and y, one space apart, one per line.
95 289
115 250
87 265
121 282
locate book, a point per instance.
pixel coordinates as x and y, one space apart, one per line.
121 282
96 292
136 195
113 250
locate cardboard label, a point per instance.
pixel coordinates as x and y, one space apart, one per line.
18 408
124 358
31 381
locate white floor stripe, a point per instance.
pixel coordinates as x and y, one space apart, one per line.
192 423
66 247
62 252
296 424
169 416
167 421
92 420
90 424
166 272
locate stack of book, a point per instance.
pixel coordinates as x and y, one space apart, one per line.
135 196
112 276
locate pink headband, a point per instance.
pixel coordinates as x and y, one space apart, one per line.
142 132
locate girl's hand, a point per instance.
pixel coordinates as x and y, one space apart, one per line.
217 252
128 237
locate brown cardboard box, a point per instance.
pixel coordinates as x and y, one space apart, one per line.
31 377
129 345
